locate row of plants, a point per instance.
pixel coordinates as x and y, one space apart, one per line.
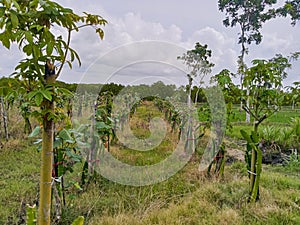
29 24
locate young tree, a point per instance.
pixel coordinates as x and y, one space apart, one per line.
29 24
197 62
264 81
249 16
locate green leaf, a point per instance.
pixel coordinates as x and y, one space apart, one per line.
5 42
49 48
14 19
73 156
57 142
27 49
16 5
76 55
2 11
78 221
72 56
70 64
38 99
100 32
35 131
47 94
31 215
76 185
102 125
31 94
29 37
65 91
65 135
36 51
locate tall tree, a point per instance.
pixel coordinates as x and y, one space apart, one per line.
249 16
29 24
197 61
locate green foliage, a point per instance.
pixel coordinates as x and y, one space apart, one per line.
20 174
250 15
197 61
264 81
28 24
78 221
291 8
31 215
253 158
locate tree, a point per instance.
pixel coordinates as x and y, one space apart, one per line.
29 24
230 92
197 62
264 82
250 16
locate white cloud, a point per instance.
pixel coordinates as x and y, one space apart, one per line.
224 53
144 21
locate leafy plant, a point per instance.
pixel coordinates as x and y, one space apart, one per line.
31 217
253 158
28 24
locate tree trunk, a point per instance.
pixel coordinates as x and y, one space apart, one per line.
27 126
248 106
196 98
46 167
254 195
256 167
4 117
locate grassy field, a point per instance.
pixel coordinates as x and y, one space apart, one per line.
281 117
188 197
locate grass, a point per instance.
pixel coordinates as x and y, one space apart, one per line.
215 202
19 171
188 197
140 129
281 117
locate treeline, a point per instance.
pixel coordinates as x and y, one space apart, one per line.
157 89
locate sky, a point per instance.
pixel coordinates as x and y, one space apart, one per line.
143 39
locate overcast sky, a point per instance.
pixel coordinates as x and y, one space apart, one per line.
178 24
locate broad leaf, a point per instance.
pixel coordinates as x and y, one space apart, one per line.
14 19
35 131
65 135
49 48
29 37
47 94
38 98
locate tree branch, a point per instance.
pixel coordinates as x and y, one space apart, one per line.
65 54
85 25
251 113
